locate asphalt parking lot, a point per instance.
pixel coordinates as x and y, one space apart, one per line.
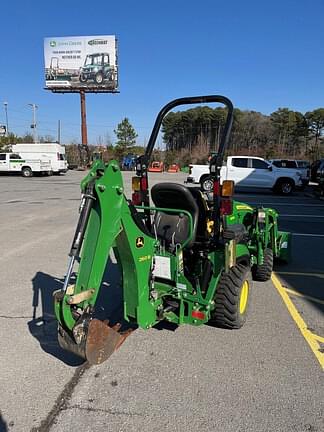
268 376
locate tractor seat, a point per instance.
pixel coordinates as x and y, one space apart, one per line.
172 228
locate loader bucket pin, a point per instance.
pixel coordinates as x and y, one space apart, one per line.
102 341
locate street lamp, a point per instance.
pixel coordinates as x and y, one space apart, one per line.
33 125
5 104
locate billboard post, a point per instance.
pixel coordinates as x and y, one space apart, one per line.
84 134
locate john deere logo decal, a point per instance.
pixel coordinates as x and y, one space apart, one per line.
139 242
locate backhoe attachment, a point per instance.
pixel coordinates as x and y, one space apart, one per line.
79 331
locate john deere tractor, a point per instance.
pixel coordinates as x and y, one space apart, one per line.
185 257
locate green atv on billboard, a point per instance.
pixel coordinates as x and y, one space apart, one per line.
97 68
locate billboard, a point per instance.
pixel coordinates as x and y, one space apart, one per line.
77 63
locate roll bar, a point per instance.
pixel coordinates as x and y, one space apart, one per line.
188 101
143 161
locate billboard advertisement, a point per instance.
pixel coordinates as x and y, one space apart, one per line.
76 63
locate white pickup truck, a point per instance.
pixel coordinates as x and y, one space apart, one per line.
248 172
13 162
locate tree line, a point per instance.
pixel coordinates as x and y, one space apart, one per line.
283 133
191 135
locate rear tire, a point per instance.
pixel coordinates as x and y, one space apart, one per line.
207 184
262 272
232 298
284 187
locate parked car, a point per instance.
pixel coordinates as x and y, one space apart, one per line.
302 166
317 170
320 173
248 172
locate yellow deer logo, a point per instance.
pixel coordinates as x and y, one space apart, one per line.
139 242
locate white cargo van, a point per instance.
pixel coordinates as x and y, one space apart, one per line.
14 163
52 151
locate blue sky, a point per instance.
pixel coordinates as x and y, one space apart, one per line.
261 54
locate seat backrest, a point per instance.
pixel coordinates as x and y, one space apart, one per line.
173 228
203 210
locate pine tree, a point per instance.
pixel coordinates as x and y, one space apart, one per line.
126 138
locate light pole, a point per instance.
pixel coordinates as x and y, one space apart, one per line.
33 125
5 104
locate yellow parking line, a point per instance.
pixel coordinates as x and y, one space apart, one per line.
307 297
318 338
308 335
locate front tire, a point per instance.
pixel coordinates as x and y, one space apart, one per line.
27 172
232 298
262 272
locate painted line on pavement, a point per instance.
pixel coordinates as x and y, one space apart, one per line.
290 273
285 204
301 215
318 338
310 338
307 235
305 296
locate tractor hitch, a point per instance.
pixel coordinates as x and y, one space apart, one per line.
93 340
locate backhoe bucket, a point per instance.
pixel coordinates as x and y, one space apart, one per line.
98 342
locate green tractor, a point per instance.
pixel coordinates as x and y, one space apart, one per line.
187 259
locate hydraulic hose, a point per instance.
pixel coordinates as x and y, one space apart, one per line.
85 209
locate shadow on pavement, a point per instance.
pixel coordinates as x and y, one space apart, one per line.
304 273
307 284
3 424
165 325
43 326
